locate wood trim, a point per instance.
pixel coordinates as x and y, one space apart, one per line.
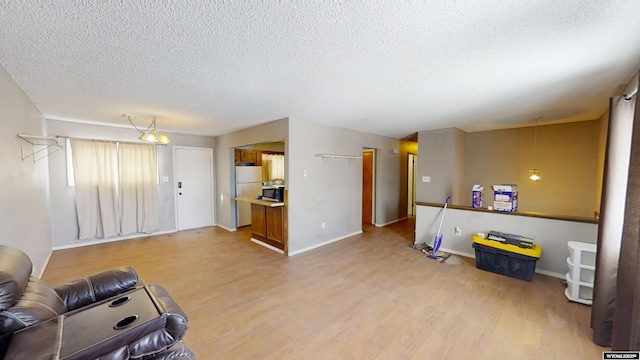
367 187
517 213
269 152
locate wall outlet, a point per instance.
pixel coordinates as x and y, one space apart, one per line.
323 226
458 231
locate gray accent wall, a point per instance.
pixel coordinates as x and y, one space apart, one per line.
570 156
64 219
331 191
25 217
442 158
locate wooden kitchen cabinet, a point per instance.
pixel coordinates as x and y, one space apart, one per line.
275 229
258 157
258 221
267 224
248 156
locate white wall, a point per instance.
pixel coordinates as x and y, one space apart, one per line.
64 219
331 191
551 235
24 185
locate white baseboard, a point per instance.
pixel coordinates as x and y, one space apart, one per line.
267 246
461 253
114 239
291 253
46 263
391 222
226 228
552 274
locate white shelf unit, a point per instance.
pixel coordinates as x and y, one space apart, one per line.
582 268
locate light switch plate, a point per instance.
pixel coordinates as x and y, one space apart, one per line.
426 179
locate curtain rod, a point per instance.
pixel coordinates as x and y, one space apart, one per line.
630 95
116 141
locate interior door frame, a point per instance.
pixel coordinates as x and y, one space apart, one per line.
373 183
175 184
411 183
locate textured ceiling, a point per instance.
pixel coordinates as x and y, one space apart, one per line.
384 67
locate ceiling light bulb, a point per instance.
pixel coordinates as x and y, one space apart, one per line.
163 139
152 137
535 176
148 137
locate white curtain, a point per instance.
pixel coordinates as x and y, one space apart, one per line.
138 195
272 167
95 174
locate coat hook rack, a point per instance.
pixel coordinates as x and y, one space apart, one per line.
39 145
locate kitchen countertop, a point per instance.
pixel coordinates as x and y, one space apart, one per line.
260 202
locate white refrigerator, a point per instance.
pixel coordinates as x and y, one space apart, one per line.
248 184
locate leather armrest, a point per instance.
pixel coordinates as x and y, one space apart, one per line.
144 340
178 351
176 324
97 287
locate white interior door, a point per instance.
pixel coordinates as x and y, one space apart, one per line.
194 187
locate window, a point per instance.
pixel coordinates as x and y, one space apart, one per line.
69 162
116 187
272 167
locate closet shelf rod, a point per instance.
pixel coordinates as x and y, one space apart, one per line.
329 156
35 140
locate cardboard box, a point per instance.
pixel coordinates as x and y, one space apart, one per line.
476 196
505 197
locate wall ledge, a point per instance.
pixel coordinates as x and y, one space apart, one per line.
517 213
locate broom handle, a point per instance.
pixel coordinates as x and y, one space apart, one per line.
443 211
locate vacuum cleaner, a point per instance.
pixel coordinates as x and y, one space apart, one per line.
438 239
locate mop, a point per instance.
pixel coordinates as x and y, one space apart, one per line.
438 239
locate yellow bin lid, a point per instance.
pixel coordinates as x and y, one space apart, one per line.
535 251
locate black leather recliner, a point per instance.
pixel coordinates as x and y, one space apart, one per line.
32 315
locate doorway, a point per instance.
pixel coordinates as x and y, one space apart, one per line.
193 187
368 186
411 184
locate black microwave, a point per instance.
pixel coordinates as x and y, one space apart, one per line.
273 193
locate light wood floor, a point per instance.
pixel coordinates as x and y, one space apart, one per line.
370 296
